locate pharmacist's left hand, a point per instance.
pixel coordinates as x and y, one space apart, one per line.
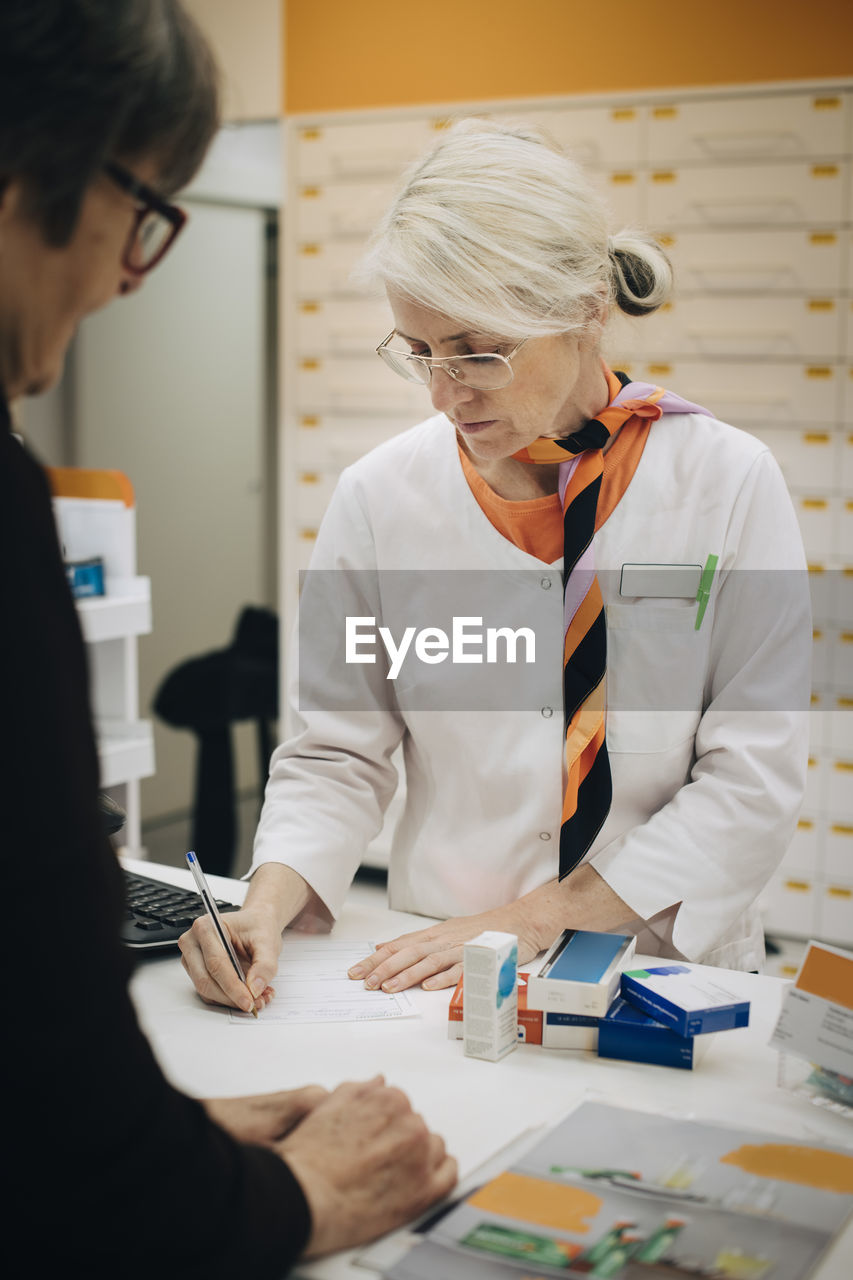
433 957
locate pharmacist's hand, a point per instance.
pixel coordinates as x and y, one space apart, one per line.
256 935
264 1118
366 1163
433 956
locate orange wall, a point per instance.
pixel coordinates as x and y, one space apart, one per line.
342 54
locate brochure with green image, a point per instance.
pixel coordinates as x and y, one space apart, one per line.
611 1192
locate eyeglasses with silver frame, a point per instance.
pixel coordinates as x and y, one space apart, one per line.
487 372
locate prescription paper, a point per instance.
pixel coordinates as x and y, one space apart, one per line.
311 985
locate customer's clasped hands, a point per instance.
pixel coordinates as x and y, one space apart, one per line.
366 1162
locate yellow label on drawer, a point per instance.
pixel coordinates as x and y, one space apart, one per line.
847 638
817 634
310 250
805 824
308 534
837 892
441 122
818 371
309 420
310 365
841 829
844 702
659 370
623 113
817 437
823 237
665 239
311 135
309 477
310 308
310 193
825 171
826 104
817 568
664 175
798 886
814 504
789 969
623 179
821 304
664 113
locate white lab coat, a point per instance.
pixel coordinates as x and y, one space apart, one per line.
706 730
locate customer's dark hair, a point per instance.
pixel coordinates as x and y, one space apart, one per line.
84 81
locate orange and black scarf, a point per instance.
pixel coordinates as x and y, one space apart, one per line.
588 792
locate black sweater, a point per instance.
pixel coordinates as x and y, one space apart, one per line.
112 1171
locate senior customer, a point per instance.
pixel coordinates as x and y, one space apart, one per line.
662 795
107 106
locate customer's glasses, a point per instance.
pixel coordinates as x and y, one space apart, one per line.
488 372
156 226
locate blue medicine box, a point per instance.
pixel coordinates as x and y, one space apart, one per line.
580 974
85 577
627 1032
690 999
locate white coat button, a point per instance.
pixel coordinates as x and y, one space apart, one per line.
544 835
547 712
545 583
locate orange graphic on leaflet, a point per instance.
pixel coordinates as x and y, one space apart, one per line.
515 1195
808 1166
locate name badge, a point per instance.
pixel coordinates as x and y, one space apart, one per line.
665 581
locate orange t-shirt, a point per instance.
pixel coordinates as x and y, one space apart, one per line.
535 525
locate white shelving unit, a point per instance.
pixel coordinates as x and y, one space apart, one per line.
111 625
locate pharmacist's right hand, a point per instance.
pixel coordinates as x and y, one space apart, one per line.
255 932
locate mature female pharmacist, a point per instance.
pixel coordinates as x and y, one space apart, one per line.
661 796
105 105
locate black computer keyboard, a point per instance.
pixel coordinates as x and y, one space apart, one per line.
158 913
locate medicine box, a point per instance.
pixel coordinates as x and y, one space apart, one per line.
580 973
626 1032
570 1031
490 1013
690 999
529 1021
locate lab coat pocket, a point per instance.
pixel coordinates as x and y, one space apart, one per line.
656 670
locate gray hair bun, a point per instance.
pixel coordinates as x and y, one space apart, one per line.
641 273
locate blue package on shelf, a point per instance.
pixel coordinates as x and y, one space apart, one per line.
580 973
85 577
628 1033
691 999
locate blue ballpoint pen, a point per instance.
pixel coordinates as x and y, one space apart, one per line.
211 909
